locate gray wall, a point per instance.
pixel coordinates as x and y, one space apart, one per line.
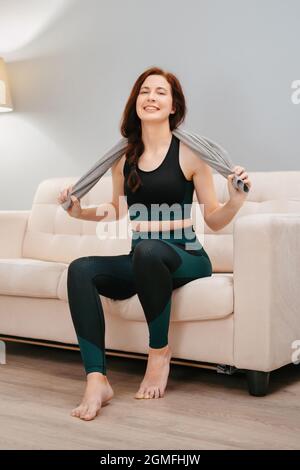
72 64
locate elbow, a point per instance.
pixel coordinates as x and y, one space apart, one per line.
115 211
121 210
209 219
119 214
214 229
210 225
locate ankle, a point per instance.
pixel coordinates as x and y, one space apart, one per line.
160 351
96 376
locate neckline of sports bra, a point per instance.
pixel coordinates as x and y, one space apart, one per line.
165 157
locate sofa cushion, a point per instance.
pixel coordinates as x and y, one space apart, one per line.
200 292
30 277
44 279
196 300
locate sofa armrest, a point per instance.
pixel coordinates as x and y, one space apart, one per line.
266 281
12 230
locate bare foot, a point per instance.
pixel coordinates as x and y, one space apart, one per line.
157 372
97 393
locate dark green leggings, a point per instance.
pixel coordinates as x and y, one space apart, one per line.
152 269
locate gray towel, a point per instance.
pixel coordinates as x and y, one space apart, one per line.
210 152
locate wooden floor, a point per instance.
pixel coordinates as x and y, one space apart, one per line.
201 409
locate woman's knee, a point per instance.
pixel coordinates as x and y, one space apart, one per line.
88 268
78 262
78 266
144 250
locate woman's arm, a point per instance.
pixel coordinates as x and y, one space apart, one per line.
217 216
105 211
114 210
223 215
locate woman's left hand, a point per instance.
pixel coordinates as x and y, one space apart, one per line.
238 196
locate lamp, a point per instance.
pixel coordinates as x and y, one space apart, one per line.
5 98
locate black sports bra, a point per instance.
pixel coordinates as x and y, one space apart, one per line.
165 193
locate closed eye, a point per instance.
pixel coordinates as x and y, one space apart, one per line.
158 93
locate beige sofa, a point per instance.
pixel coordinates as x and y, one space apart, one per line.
245 317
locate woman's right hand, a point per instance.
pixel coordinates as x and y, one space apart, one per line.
75 209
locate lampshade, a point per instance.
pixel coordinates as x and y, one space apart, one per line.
5 98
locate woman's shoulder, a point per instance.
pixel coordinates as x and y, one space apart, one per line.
191 160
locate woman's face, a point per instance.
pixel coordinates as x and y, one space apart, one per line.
156 92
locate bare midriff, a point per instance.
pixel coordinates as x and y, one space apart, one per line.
158 225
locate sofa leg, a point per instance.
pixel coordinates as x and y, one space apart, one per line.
258 382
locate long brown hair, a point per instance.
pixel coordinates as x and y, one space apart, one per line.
131 123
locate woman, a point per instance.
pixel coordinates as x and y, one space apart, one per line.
151 172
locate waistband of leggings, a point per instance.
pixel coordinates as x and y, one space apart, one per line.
184 234
188 229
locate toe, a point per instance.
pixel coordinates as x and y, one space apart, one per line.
156 395
75 412
91 412
83 411
88 416
140 393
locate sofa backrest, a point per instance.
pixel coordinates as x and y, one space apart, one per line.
52 235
